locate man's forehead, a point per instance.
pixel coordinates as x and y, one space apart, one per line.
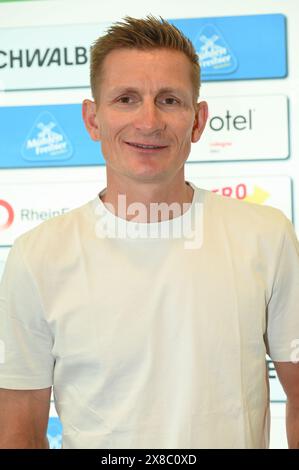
132 68
152 61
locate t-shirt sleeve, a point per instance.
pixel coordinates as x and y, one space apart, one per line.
26 361
283 306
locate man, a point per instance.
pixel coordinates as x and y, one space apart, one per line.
151 325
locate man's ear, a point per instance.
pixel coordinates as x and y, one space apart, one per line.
89 118
201 117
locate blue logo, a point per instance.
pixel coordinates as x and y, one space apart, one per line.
238 47
214 53
46 136
54 433
46 140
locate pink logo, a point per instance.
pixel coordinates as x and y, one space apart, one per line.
10 214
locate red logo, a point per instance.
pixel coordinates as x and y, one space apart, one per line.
10 214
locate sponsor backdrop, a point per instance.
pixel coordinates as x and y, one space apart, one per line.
250 78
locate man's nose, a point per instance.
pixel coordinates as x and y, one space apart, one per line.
149 118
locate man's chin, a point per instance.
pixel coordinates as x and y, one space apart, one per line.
149 176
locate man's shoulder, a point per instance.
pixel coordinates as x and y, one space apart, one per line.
244 212
58 229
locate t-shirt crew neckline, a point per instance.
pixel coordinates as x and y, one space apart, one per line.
112 226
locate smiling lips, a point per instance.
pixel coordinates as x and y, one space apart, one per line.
146 146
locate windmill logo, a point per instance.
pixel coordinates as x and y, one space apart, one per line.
46 140
215 55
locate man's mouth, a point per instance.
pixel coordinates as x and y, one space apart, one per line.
146 146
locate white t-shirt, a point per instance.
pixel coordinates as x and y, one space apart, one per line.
150 342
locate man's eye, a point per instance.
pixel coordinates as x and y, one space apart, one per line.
170 100
125 99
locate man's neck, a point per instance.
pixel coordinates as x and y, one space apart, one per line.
148 202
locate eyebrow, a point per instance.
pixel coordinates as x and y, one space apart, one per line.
122 90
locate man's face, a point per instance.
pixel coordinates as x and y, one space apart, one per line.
145 115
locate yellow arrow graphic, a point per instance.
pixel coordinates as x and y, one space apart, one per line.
259 196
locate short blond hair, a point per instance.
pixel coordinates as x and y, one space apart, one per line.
143 34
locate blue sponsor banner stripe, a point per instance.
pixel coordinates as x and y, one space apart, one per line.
238 47
46 136
54 433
